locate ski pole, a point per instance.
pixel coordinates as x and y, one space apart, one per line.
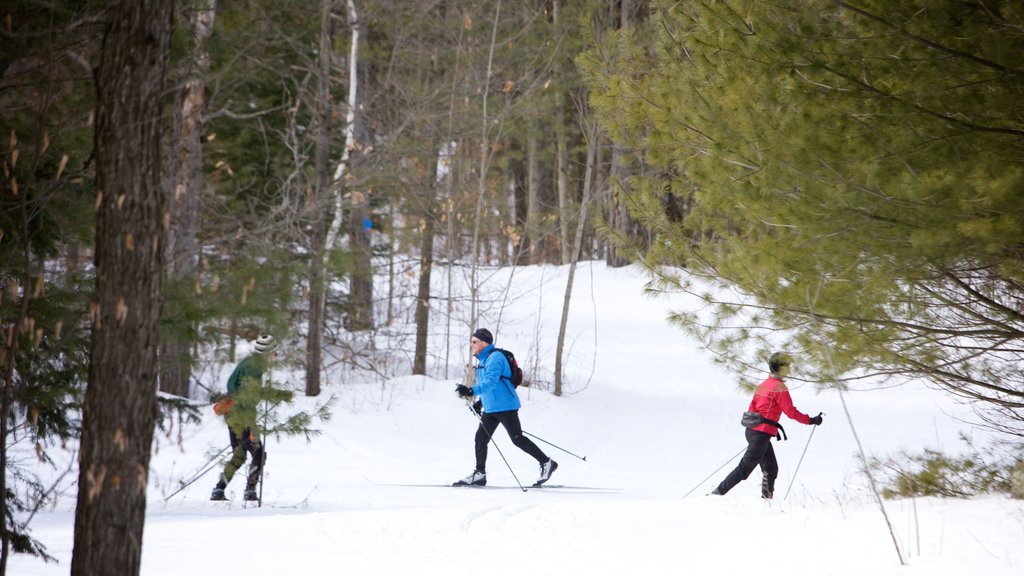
490 439
713 473
263 457
793 480
535 437
209 465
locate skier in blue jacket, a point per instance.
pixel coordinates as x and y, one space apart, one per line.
500 405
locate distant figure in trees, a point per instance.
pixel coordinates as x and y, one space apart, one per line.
241 418
499 405
761 420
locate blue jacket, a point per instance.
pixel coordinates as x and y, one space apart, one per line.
493 384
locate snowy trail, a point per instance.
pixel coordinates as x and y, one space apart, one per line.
656 418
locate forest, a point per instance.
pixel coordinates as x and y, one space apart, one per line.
181 176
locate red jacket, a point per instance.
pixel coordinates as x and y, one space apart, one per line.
770 400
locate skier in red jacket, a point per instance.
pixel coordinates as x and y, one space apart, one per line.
770 400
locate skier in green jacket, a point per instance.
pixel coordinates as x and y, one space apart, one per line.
242 419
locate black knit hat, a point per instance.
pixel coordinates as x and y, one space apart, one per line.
484 334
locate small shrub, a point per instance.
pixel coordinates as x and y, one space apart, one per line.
1017 481
934 473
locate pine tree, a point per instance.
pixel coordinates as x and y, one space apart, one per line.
854 172
119 410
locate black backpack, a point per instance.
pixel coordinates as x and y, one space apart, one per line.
517 373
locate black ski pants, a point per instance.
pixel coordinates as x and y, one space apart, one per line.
759 453
510 420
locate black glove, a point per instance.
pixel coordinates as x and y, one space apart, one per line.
816 420
464 391
478 407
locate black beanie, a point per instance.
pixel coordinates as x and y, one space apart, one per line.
484 334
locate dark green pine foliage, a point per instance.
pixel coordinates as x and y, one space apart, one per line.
46 221
47 226
265 406
853 174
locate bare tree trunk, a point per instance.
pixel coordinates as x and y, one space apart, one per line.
618 218
600 193
533 216
341 170
485 155
419 363
521 212
592 139
182 250
561 167
561 159
360 297
359 309
393 249
318 237
120 400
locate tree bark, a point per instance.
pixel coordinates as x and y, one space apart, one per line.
562 179
485 156
419 364
120 400
533 216
318 223
618 216
360 296
359 313
182 250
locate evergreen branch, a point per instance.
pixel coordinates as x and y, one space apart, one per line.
930 43
1011 312
947 117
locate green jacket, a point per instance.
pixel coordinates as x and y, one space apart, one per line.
251 367
248 372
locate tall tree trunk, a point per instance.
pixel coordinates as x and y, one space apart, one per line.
182 251
485 156
360 297
562 179
561 155
120 400
419 363
359 313
517 174
601 189
533 215
318 237
618 217
592 140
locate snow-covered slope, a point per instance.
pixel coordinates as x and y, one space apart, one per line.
655 421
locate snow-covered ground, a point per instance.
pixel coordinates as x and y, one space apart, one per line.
654 418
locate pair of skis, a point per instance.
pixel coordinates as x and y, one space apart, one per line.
539 487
